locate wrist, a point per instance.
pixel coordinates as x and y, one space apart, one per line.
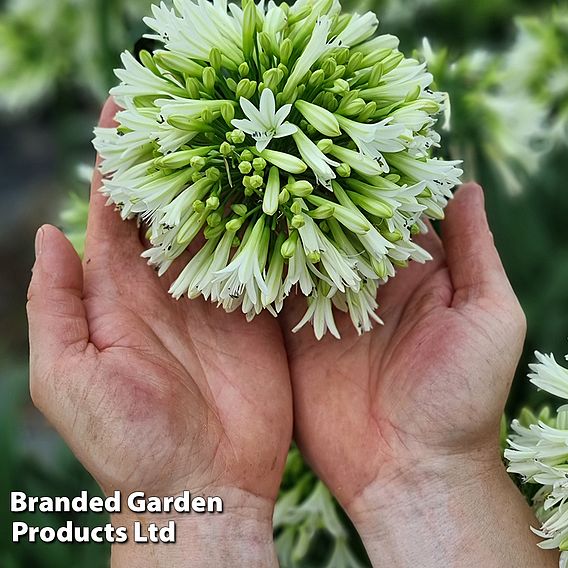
456 511
240 535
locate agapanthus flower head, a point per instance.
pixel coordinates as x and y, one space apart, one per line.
289 141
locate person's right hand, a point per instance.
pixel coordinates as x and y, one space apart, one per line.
402 422
158 395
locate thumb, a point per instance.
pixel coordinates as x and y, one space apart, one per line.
56 314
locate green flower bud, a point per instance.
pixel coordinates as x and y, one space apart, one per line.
240 209
317 79
321 119
193 86
288 248
265 42
414 230
237 136
234 225
228 113
298 221
392 62
271 192
376 75
215 58
245 167
413 95
342 55
354 62
256 181
213 232
244 69
286 48
209 77
184 123
212 202
225 149
296 207
322 212
207 115
325 145
198 206
314 257
340 86
351 219
242 88
356 106
189 230
343 170
259 164
373 205
198 163
182 158
380 267
196 176
213 174
368 112
399 263
329 66
148 61
249 28
284 161
300 188
176 62
247 156
214 219
248 191
283 196
231 83
392 237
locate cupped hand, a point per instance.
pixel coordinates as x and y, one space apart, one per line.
154 394
410 410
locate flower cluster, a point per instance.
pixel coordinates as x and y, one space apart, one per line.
537 64
305 513
498 121
289 142
538 451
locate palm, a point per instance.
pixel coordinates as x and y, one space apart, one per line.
405 390
172 367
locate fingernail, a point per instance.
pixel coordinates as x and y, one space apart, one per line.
38 241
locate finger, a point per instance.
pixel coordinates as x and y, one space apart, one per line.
475 267
56 314
108 236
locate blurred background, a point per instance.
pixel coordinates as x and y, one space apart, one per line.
505 65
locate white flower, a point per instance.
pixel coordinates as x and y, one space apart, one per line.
373 139
265 123
320 314
358 29
245 272
315 159
548 375
315 48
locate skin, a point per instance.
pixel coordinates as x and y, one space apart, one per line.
180 390
401 423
